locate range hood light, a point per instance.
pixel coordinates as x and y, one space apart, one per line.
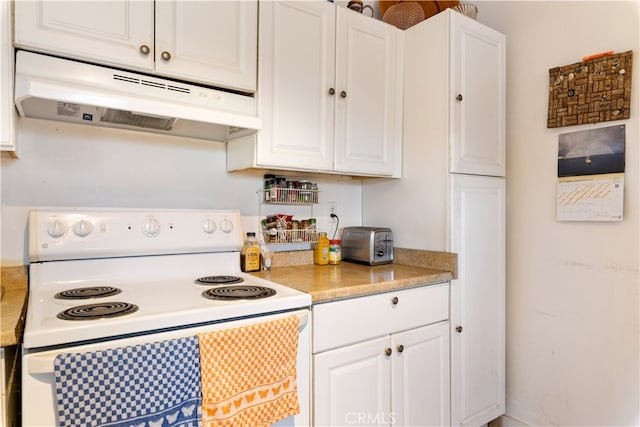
130 118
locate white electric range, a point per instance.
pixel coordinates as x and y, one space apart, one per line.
105 278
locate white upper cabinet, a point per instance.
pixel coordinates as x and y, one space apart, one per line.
296 71
368 83
108 32
330 92
7 111
208 42
477 97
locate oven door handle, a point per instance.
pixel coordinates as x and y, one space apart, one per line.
43 363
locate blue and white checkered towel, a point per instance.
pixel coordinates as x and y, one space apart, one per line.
148 385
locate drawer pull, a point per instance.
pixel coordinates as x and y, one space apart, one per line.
394 300
400 348
388 351
459 329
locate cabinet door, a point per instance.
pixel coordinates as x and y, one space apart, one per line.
352 385
478 300
477 98
109 32
297 64
209 42
369 57
7 111
420 376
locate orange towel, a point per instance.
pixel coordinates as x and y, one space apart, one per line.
249 374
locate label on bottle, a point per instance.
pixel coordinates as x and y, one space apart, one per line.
251 259
321 252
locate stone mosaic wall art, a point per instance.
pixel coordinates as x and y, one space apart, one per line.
592 91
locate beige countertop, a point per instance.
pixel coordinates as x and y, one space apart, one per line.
13 304
330 282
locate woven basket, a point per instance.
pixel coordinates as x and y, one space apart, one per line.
404 15
468 9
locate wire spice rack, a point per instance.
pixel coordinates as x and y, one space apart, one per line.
283 231
290 236
290 196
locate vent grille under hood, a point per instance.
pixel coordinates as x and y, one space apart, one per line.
64 90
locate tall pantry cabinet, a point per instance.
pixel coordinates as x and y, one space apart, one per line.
452 193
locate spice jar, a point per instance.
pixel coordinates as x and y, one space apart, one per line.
335 251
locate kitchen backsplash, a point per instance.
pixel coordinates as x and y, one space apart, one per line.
66 165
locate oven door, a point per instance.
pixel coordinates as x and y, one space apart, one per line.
38 384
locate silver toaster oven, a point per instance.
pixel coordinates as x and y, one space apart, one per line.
367 245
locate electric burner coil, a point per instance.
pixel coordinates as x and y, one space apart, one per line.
238 292
98 311
88 292
219 280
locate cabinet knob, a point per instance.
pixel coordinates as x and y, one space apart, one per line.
332 91
400 348
343 94
459 97
388 351
165 55
144 49
394 300
459 329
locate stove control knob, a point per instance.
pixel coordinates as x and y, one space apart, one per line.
226 226
151 227
209 226
57 228
83 228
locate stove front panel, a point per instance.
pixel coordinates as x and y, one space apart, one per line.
82 234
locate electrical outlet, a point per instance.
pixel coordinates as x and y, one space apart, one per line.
333 210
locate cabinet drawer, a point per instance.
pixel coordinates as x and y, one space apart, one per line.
352 320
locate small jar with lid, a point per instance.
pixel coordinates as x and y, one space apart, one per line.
305 191
335 251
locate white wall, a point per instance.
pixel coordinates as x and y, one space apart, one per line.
572 288
66 165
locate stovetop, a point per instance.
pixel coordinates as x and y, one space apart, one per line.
164 289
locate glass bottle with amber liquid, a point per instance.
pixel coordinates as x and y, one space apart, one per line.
250 257
321 250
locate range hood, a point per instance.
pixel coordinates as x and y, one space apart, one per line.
58 89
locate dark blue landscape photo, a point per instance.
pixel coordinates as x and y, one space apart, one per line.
591 152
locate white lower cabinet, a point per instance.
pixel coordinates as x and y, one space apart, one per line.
383 359
353 384
420 376
478 299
